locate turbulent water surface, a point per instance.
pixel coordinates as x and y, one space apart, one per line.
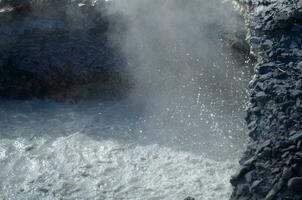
91 152
178 133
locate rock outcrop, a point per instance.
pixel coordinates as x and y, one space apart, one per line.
59 50
271 167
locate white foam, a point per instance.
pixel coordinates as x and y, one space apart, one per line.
79 167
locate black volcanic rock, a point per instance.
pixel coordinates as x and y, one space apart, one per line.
274 114
295 184
59 50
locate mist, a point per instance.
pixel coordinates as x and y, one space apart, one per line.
150 106
187 78
188 82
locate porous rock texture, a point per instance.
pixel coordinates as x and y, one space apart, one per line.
271 167
58 49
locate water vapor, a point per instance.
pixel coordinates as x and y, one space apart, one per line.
192 88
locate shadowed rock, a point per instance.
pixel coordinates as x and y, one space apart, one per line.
59 50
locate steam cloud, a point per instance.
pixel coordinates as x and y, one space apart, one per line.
190 86
192 90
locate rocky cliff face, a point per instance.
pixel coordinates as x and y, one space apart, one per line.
59 50
271 167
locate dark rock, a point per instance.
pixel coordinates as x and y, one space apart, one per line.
284 155
267 44
283 144
249 161
278 186
297 93
255 110
297 169
242 189
267 143
250 176
260 165
296 28
287 105
261 97
276 170
297 136
189 198
51 56
298 155
287 173
44 190
290 148
299 84
299 145
295 185
276 92
280 74
289 160
253 133
299 105
266 76
255 186
267 152
271 195
275 153
293 132
236 178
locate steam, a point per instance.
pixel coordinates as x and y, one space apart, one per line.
186 78
192 91
188 93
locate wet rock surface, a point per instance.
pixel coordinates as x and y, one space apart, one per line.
272 163
58 50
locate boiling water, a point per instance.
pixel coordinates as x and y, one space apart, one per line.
92 151
178 133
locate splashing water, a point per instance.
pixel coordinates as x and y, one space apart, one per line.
62 151
177 134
